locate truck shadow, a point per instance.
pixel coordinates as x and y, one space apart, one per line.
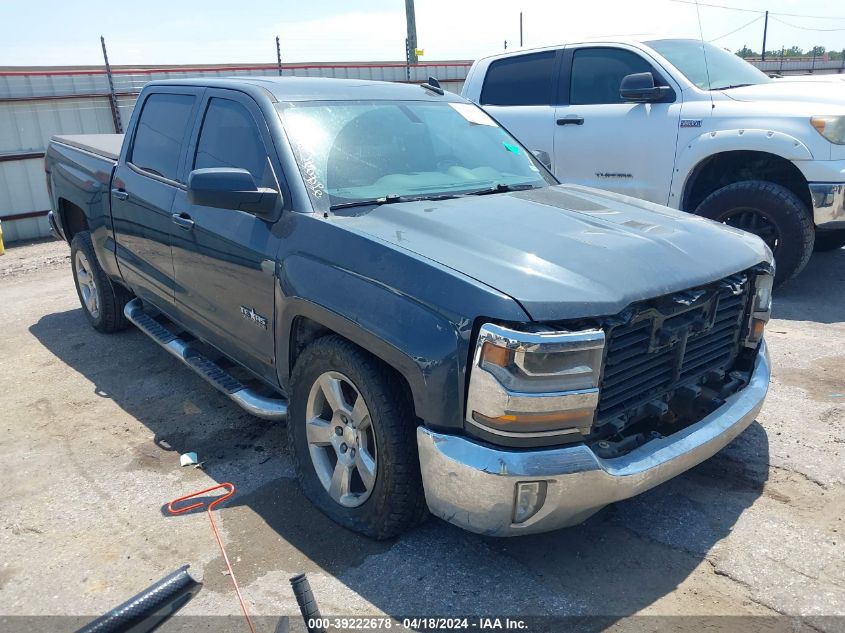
620 561
816 294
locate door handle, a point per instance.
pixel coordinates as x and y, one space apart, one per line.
120 194
572 119
183 220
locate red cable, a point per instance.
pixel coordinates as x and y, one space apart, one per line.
231 489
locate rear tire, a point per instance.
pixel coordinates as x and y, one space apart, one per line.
773 213
829 240
351 423
102 301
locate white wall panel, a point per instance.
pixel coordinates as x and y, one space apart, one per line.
23 187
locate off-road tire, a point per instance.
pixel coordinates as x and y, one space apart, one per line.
111 297
397 502
829 240
780 207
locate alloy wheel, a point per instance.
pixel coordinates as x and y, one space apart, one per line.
87 285
341 439
756 222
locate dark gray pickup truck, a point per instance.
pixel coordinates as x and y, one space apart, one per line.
441 323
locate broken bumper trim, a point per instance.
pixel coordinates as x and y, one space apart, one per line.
474 485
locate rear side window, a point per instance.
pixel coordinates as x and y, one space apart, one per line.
161 132
520 80
230 138
597 74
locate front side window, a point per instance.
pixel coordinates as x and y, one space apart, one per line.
709 67
230 138
597 74
161 132
520 80
351 151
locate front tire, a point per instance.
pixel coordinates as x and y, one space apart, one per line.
771 212
352 433
102 301
829 240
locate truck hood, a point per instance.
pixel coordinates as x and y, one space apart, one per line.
565 251
809 92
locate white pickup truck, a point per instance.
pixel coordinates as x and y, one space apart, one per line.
685 124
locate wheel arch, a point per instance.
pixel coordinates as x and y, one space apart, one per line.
712 148
312 321
72 218
728 167
420 344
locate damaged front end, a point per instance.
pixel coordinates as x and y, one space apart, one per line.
569 417
671 361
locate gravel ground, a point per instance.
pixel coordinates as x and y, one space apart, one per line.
93 426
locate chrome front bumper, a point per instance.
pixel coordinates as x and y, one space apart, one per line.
828 205
474 485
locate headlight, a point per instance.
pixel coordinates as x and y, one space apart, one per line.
525 384
761 309
831 127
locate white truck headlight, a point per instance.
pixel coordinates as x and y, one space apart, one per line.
534 383
831 127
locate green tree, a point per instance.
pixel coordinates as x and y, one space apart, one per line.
746 52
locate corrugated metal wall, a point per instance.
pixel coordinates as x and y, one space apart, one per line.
802 65
35 105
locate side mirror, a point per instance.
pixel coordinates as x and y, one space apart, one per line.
640 88
543 157
230 188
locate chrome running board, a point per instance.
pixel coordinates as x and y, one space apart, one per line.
219 378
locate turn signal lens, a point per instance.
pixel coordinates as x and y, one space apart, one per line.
495 355
757 328
537 422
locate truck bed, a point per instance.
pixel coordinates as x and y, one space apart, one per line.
105 145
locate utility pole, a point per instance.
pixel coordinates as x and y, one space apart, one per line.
765 32
115 112
411 19
506 45
520 29
279 55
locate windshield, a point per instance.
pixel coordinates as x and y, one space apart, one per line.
722 69
355 151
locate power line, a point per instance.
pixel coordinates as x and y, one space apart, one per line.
806 28
757 19
716 6
759 11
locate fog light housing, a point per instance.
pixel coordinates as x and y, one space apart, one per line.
529 498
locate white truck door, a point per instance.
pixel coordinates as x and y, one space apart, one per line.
518 92
602 142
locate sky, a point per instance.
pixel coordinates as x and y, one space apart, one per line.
50 32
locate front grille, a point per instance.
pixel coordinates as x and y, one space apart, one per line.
676 340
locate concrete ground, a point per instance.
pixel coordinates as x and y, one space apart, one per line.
93 425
